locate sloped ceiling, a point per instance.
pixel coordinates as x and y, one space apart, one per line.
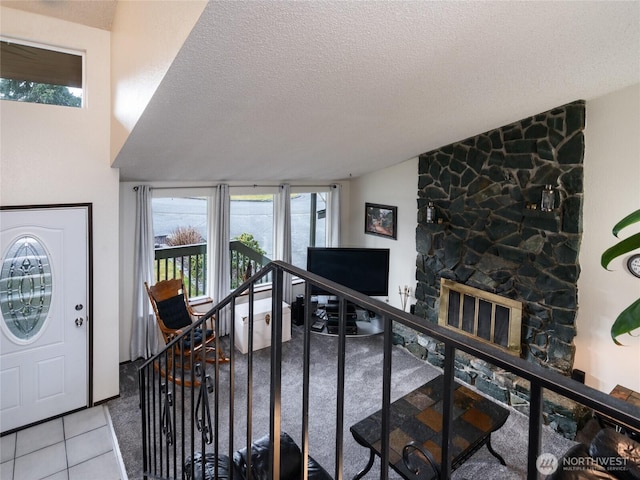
93 13
324 90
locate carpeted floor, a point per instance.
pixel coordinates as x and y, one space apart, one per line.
362 397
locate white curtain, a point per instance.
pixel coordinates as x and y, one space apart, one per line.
333 216
219 266
282 235
144 332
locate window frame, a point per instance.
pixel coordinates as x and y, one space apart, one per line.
313 189
56 49
182 192
209 194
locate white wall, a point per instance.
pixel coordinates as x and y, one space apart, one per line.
145 38
51 154
395 186
612 191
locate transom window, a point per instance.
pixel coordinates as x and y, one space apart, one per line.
40 75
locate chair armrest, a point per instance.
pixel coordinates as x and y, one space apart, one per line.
171 334
197 315
211 320
190 309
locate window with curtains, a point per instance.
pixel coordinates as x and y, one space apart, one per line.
181 225
251 225
308 224
180 228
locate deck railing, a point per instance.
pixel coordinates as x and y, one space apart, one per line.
245 259
180 420
184 261
189 262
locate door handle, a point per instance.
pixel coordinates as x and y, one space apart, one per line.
79 321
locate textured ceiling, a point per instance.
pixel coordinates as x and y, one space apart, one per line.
325 90
93 13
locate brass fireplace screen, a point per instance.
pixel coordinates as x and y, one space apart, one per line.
482 315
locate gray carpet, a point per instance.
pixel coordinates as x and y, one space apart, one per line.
362 397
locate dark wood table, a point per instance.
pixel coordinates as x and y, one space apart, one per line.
416 419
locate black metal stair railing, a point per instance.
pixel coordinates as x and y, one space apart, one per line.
181 419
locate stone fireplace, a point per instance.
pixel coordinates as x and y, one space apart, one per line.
490 234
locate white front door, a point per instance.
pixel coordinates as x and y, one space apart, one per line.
44 295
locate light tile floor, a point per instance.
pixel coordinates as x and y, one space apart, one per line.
78 446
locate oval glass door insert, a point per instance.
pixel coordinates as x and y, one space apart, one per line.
25 288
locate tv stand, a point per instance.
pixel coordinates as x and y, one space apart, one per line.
332 309
332 325
359 322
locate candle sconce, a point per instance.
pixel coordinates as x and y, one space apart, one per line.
547 200
431 214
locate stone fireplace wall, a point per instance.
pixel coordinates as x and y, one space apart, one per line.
491 237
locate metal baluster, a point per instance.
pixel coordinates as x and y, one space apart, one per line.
203 412
166 422
535 429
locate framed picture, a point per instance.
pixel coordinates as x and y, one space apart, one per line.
380 220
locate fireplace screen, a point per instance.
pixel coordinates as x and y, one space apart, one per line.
482 315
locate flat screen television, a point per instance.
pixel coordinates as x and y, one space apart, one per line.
365 270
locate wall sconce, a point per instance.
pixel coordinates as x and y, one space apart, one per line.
548 200
431 213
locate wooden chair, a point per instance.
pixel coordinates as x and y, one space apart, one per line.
174 315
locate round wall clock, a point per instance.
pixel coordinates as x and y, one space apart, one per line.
633 264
